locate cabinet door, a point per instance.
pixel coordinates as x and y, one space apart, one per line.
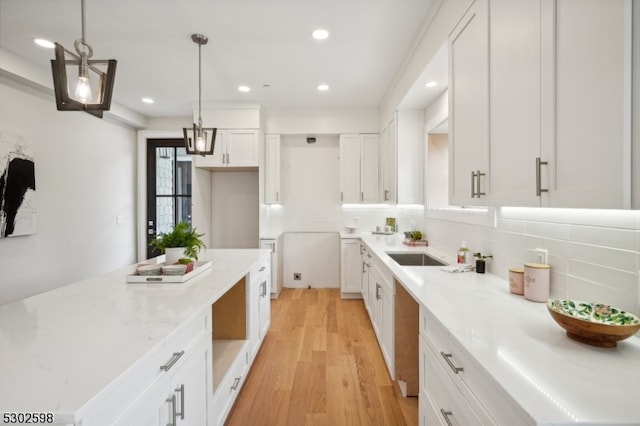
369 168
364 276
151 408
349 169
593 87
242 148
272 169
350 275
515 96
189 386
387 329
219 150
264 305
469 108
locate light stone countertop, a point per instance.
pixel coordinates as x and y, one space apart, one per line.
555 380
61 348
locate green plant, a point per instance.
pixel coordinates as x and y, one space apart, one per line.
480 256
183 235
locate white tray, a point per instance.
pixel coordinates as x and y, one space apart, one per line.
198 268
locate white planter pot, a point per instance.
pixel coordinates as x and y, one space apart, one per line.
173 254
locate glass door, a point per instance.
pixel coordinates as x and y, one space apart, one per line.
168 187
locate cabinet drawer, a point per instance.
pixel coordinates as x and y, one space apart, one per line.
261 270
447 404
229 387
470 375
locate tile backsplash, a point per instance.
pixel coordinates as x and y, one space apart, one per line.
594 254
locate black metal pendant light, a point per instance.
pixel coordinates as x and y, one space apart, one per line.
88 86
199 140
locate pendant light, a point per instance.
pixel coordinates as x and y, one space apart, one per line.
88 86
199 140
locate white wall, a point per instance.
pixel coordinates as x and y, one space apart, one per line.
85 177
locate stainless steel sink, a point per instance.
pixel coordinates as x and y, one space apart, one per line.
415 259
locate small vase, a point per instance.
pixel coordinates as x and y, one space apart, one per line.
173 254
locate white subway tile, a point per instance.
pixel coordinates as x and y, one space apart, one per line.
608 237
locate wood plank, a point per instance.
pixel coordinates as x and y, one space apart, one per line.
320 364
229 313
407 316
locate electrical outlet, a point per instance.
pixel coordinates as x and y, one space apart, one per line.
297 276
541 255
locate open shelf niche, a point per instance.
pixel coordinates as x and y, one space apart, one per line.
229 329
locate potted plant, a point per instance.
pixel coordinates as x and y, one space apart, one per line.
183 238
481 262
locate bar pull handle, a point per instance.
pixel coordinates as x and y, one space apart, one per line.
539 164
377 291
445 415
236 382
176 356
473 184
174 415
262 268
180 389
386 195
264 288
447 357
478 193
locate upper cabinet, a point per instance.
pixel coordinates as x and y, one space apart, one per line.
560 104
401 158
234 148
469 108
359 177
272 169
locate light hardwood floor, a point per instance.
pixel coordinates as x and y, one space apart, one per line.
320 364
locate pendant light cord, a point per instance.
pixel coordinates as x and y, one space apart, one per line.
199 86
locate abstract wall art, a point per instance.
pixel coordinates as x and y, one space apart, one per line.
17 186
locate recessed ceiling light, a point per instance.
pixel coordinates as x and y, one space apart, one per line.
44 43
244 88
323 87
431 84
320 34
148 100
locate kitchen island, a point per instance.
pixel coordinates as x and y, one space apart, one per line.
519 365
86 352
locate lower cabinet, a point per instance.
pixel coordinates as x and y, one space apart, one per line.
454 388
381 312
179 395
350 268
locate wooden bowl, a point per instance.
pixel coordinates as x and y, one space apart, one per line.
594 324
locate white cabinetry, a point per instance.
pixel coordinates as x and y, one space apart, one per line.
359 177
401 158
365 258
272 169
560 106
350 268
469 108
178 392
389 162
456 390
275 245
233 148
259 303
381 311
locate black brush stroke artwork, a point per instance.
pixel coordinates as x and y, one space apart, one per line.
17 178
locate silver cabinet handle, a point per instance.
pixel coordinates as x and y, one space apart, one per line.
447 357
473 184
386 195
478 193
174 415
262 268
236 382
277 196
445 415
363 266
228 158
539 164
362 196
176 356
264 288
377 291
181 413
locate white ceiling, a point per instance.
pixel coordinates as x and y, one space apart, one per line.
251 42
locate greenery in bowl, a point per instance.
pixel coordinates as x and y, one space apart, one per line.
183 235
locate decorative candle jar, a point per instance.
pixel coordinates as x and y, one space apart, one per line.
516 280
536 282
